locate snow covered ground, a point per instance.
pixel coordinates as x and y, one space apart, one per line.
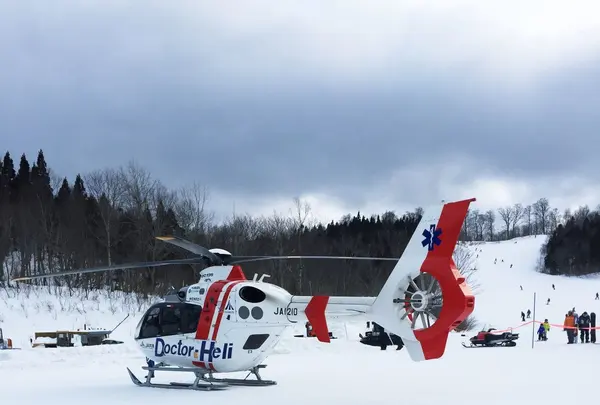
344 372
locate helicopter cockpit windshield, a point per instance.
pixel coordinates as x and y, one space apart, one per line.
169 318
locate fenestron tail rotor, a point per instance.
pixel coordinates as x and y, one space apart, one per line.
422 301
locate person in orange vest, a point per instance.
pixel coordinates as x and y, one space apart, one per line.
569 327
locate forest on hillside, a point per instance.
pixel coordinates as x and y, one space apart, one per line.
573 248
112 215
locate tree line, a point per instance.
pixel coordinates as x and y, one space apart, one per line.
112 216
573 248
508 222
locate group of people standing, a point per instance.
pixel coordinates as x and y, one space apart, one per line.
573 323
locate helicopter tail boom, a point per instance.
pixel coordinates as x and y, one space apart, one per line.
424 284
320 308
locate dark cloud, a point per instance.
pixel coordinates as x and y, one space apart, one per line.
195 98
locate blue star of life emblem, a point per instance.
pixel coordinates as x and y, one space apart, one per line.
432 237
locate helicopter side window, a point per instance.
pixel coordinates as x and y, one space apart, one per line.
190 315
150 327
170 319
167 319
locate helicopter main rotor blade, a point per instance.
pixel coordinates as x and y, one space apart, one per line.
257 259
191 247
126 266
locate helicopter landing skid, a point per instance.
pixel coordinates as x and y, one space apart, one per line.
204 380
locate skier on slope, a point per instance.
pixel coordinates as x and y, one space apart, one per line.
522 316
529 313
584 327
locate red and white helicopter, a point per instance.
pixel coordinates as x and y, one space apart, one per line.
227 323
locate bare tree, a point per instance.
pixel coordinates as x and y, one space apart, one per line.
470 228
554 219
581 213
481 222
518 211
490 217
139 187
465 262
567 214
161 193
55 179
507 215
527 217
302 213
464 230
541 208
191 208
107 186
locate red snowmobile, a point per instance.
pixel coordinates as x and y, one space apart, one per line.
490 339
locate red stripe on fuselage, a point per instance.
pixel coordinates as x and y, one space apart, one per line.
208 312
222 309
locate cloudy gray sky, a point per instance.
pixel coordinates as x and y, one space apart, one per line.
351 105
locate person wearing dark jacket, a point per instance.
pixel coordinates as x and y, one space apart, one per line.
584 327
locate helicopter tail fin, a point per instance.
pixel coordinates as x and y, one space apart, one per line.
315 313
425 287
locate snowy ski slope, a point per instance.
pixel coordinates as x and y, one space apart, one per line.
500 299
344 372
